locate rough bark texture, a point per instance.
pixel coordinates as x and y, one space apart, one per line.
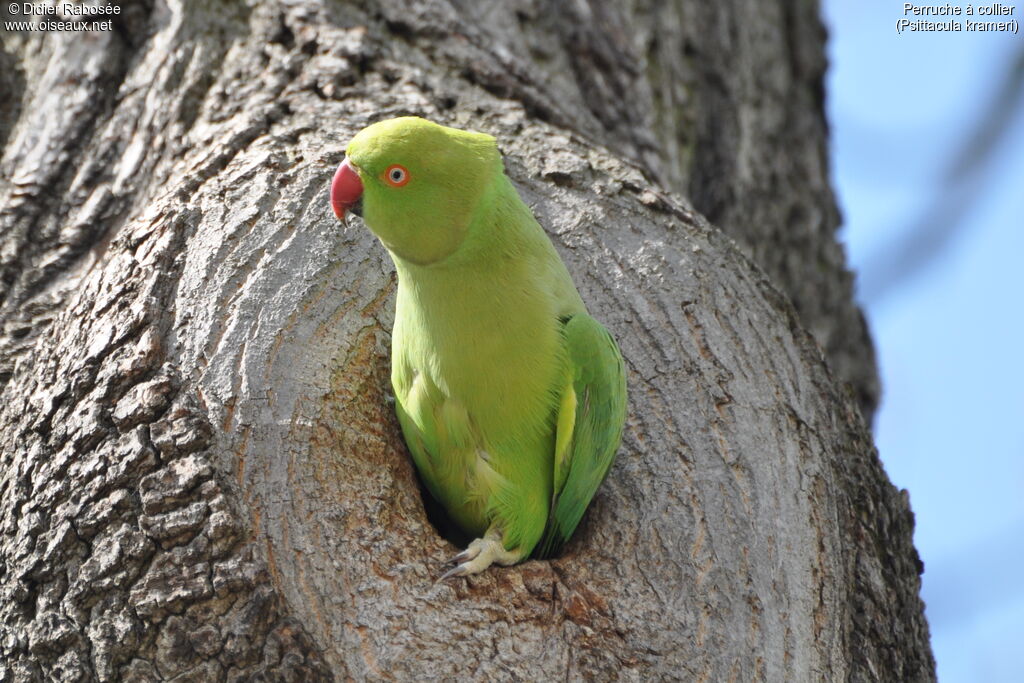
201 477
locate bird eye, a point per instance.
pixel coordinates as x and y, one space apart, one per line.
396 175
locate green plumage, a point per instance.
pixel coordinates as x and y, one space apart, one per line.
510 396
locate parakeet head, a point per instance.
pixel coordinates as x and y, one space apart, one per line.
420 184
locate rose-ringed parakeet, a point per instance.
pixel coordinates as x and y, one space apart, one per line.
510 396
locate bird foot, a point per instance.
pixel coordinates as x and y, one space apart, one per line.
481 554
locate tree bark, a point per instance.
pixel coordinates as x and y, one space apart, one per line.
201 475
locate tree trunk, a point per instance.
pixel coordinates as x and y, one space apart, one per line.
201 474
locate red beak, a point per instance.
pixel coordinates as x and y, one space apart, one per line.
346 189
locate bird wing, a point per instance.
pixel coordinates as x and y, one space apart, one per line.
591 412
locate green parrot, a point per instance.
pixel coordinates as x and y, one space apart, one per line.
510 396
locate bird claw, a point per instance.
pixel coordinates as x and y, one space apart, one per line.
458 559
468 554
462 561
454 572
481 554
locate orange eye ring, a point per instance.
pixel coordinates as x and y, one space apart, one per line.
396 175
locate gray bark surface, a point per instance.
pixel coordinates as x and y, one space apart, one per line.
201 476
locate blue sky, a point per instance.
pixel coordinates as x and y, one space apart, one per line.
948 333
